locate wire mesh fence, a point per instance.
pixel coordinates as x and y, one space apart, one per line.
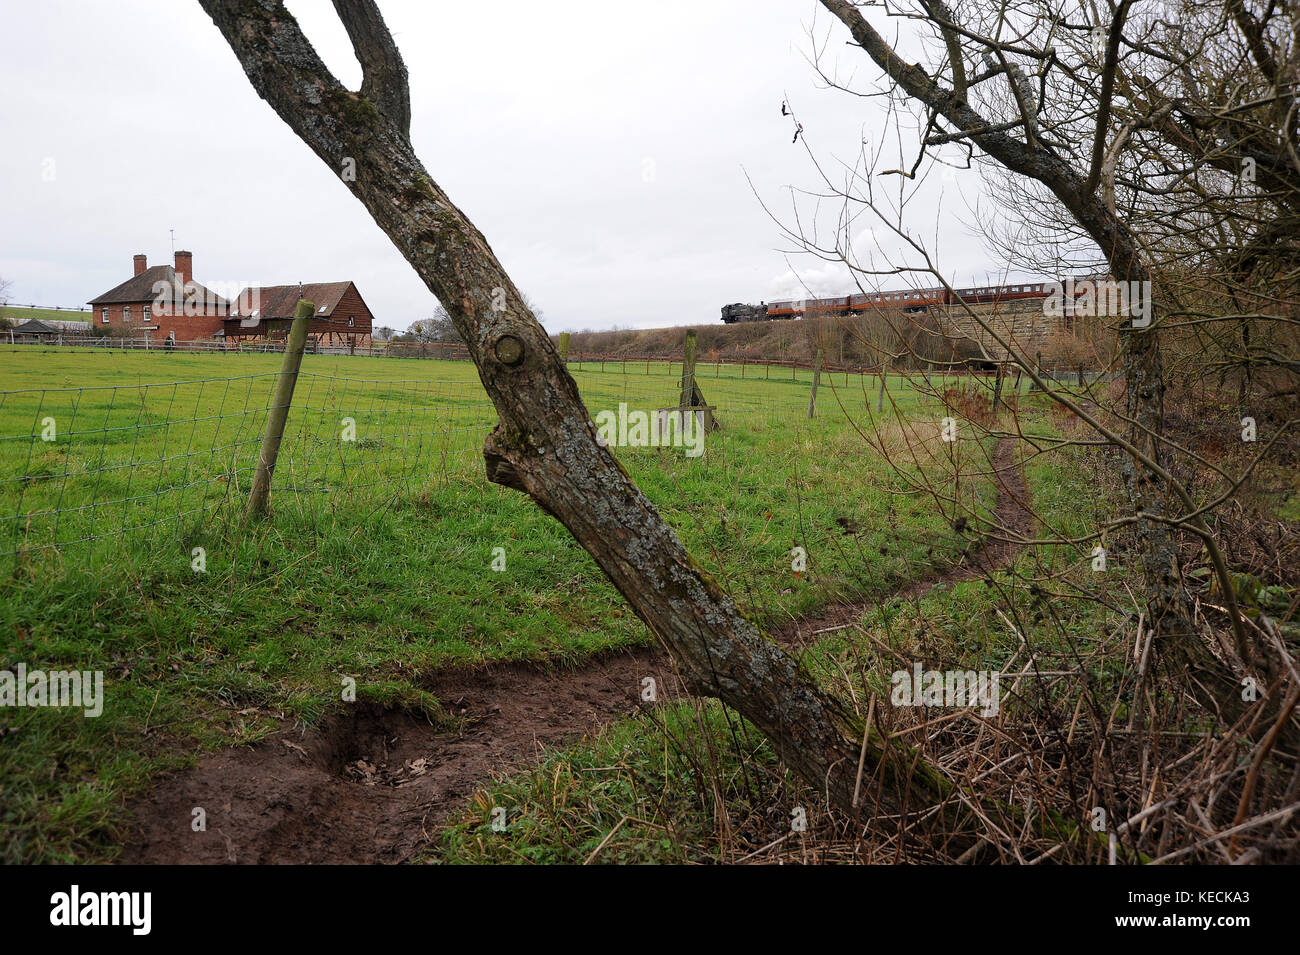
100 462
81 464
80 339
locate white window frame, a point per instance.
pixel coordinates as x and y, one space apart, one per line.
126 314
103 315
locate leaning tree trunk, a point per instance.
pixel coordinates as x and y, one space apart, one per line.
545 442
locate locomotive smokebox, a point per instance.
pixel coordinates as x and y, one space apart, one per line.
744 313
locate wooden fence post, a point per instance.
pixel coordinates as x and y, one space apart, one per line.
688 370
997 388
817 377
692 397
279 413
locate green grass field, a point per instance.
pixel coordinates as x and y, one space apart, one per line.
20 313
375 560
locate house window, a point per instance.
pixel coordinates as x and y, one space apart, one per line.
147 313
126 314
103 315
351 321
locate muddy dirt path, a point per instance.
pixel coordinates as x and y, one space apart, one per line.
371 785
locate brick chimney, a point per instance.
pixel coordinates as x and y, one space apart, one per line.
141 263
185 266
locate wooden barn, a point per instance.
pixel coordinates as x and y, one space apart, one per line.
341 319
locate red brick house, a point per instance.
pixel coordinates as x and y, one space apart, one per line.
162 301
341 317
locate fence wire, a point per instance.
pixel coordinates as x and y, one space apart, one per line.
85 464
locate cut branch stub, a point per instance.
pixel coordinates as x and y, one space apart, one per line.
509 350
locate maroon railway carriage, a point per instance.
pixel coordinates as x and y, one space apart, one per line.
909 300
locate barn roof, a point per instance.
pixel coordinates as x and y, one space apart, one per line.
141 288
279 301
34 327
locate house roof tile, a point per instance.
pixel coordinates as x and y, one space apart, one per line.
279 301
144 288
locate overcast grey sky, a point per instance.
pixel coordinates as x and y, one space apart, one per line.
602 149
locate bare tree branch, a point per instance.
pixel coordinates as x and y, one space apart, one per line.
384 81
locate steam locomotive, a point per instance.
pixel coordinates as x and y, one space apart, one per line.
909 300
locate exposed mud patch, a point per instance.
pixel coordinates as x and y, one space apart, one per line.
370 785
